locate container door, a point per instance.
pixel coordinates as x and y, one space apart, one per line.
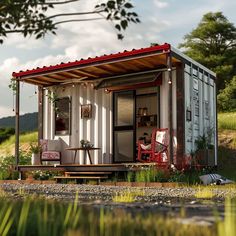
124 126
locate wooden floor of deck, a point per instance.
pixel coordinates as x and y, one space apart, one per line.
76 167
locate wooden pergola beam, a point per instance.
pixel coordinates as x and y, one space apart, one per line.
17 123
170 106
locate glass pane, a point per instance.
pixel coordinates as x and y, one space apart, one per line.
124 146
124 104
62 116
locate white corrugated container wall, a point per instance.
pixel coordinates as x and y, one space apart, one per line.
97 129
200 100
164 107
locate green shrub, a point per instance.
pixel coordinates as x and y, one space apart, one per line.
7 164
150 174
227 97
6 133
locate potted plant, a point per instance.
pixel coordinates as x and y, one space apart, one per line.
205 150
35 149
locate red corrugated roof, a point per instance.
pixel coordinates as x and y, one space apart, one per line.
88 61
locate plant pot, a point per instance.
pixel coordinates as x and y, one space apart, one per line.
211 157
35 159
201 157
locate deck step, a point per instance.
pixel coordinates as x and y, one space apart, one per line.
80 173
84 178
81 177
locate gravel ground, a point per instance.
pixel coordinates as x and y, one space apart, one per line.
105 193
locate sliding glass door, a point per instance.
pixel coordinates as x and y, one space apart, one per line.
124 126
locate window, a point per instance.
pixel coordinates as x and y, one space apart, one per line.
63 116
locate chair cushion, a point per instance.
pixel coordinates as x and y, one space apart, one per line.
161 136
50 155
50 145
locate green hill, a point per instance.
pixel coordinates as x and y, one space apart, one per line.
28 122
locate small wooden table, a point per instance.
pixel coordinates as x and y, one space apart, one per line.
85 149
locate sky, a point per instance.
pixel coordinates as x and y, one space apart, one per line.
161 21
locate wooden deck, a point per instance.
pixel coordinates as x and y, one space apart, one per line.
74 167
81 168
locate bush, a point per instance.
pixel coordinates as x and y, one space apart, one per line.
227 97
5 133
7 164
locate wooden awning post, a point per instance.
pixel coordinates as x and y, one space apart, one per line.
17 123
40 113
170 106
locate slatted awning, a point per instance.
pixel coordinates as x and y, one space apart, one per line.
99 68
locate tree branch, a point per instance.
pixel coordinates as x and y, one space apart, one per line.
58 3
74 20
74 14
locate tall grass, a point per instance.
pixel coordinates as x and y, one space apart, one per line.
7 147
228 225
44 217
227 120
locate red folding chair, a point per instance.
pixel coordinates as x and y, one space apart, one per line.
157 150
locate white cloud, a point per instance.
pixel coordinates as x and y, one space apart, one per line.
160 4
6 111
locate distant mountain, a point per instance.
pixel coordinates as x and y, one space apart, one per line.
28 122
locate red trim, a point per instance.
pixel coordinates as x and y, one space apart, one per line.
88 61
157 82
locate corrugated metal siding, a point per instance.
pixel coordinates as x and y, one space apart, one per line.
97 129
164 107
200 100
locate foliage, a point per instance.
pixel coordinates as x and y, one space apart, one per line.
213 44
177 176
7 163
126 196
13 86
43 217
150 174
204 192
5 133
35 148
33 18
227 121
45 175
228 225
227 98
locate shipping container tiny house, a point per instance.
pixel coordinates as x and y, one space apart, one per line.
116 99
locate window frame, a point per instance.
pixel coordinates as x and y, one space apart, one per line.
67 131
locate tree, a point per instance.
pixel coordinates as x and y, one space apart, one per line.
213 44
31 17
227 97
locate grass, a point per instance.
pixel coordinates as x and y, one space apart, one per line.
227 121
204 193
124 197
228 225
57 218
127 196
44 217
7 147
